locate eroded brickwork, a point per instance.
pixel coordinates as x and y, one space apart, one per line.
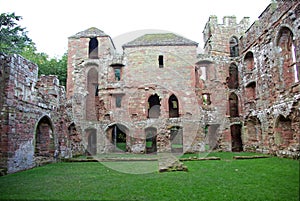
33 119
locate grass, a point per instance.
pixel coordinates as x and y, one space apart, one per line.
256 179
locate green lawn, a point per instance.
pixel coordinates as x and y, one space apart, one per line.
227 179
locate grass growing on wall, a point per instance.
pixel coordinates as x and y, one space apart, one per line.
255 179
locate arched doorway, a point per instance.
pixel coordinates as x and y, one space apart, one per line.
173 107
117 135
91 134
151 134
44 138
176 138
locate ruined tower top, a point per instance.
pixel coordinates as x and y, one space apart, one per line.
215 34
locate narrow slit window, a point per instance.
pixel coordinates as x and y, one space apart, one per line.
161 61
118 101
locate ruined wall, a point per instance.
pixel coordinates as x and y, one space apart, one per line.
263 109
32 118
271 85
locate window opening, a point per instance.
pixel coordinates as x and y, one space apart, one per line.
234 47
117 74
161 61
118 101
93 48
233 105
206 99
173 106
153 106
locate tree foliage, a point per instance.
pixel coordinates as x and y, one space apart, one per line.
14 39
12 36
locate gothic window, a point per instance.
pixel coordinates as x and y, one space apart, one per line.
173 106
233 105
234 47
93 48
233 79
153 106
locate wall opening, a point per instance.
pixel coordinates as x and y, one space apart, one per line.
234 46
233 105
91 134
236 140
44 138
288 55
93 48
176 138
151 145
154 106
250 91
173 107
283 131
233 79
118 138
249 61
253 132
211 135
161 61
92 98
206 99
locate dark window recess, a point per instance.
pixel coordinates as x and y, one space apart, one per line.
118 101
234 47
93 48
161 61
117 74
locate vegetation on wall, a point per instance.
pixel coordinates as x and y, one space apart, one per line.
14 40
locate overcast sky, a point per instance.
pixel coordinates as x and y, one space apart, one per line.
50 22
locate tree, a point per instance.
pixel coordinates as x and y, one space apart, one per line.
13 38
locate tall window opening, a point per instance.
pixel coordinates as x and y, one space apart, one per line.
233 105
234 47
288 56
93 48
91 98
206 99
117 72
173 106
233 79
154 106
161 61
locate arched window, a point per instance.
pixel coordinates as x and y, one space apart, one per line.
249 61
92 88
287 51
153 106
234 47
233 105
93 48
44 138
233 79
173 106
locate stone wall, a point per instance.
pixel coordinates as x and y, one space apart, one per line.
267 109
32 120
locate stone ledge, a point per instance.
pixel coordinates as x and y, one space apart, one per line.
199 159
249 157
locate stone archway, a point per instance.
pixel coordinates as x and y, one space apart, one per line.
44 138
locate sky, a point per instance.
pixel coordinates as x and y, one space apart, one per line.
50 22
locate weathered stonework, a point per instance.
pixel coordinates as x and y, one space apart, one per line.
33 120
159 96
